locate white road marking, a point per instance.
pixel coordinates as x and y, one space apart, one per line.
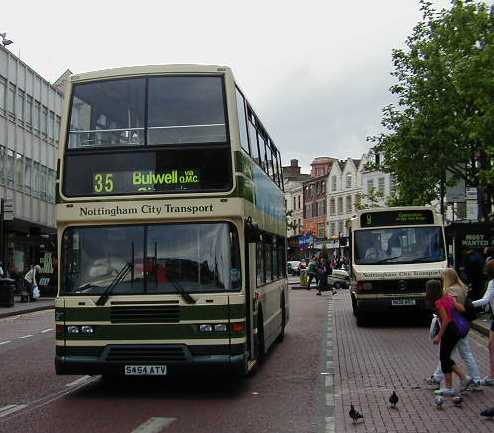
27 336
154 425
5 342
44 331
78 381
11 408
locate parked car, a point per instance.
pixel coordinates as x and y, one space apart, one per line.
339 278
293 267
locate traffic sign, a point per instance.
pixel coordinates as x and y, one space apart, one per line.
8 210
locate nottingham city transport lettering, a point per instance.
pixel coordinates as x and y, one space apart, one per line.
146 209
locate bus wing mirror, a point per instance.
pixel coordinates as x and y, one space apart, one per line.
252 232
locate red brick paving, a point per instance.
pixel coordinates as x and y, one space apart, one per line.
372 362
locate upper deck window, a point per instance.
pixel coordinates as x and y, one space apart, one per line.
186 110
173 110
108 113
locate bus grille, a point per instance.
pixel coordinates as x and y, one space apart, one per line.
146 354
146 314
399 286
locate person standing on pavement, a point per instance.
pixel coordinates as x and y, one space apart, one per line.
453 286
312 272
474 265
323 275
30 281
488 299
450 332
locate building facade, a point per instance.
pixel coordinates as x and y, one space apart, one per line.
376 181
30 119
294 199
315 200
343 194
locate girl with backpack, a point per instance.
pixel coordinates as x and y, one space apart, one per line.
488 299
453 327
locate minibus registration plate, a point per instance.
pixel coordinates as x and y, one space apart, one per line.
403 302
145 370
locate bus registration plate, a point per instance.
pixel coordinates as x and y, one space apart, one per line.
403 302
145 370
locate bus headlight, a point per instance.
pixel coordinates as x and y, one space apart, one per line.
206 328
87 330
73 330
220 327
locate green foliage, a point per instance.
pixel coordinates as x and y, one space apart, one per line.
291 224
374 198
444 117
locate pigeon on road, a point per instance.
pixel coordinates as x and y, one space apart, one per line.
354 415
458 400
438 402
488 413
393 400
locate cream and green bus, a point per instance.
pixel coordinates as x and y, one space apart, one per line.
171 225
393 252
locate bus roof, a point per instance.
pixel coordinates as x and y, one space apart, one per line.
149 70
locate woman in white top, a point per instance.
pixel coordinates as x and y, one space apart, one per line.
488 298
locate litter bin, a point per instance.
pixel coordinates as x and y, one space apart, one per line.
7 289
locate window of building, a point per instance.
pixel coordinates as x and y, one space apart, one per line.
2 165
244 142
324 206
57 128
19 171
320 230
36 115
333 183
11 99
10 167
3 84
28 116
299 226
44 121
332 206
357 200
348 180
349 204
380 185
20 105
340 227
27 174
314 209
340 205
332 228
51 125
298 200
370 185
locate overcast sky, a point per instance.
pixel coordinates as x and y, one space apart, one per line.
317 72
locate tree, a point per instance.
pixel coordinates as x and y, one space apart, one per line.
374 198
444 117
291 224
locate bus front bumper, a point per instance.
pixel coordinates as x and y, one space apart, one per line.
96 365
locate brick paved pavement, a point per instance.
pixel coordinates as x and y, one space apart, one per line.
372 362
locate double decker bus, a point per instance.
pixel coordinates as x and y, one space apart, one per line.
171 225
394 251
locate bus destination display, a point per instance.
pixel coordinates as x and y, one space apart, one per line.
141 181
396 218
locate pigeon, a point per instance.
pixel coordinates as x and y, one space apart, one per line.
438 402
354 415
458 400
393 400
488 413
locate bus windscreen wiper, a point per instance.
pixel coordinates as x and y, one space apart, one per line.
116 280
387 259
181 291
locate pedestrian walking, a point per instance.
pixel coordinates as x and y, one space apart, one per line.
312 272
474 264
488 299
452 329
31 284
453 286
323 275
